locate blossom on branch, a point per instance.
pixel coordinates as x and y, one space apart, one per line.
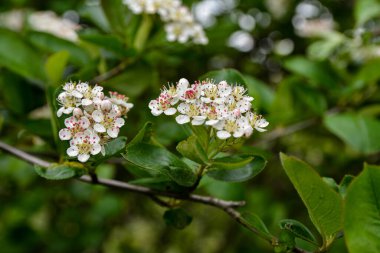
179 22
224 107
94 118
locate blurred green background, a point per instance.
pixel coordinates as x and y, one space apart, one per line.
305 62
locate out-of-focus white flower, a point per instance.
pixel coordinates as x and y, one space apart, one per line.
49 22
180 25
224 107
95 119
13 20
84 144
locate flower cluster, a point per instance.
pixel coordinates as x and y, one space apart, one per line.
43 21
93 120
180 25
222 106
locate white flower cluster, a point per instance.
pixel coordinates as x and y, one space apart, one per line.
180 25
224 107
49 22
94 118
43 21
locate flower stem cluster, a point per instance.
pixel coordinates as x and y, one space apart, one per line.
227 108
180 25
93 120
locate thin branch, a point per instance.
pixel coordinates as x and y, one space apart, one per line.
111 73
225 205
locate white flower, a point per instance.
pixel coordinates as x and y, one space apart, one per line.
73 126
109 123
121 101
67 103
190 112
49 22
163 104
84 144
233 127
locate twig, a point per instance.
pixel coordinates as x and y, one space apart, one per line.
111 73
225 205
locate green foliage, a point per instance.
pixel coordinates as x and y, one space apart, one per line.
323 204
299 230
229 75
254 221
61 171
55 66
366 10
177 218
362 208
192 149
358 131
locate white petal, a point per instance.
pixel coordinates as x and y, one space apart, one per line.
96 148
183 108
119 122
64 134
223 135
86 101
72 151
76 94
238 134
97 116
99 128
69 122
182 119
60 111
85 122
156 112
170 111
212 122
83 157
260 129
113 132
153 104
198 120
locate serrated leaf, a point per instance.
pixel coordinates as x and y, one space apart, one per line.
299 230
61 171
324 205
17 55
237 171
362 212
177 218
232 76
143 135
55 66
358 131
257 224
159 160
344 184
192 149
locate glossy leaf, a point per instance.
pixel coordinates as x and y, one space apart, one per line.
299 230
61 171
230 75
365 10
344 184
143 135
177 218
362 212
158 160
17 55
161 183
192 149
324 205
360 132
114 11
55 67
257 224
237 171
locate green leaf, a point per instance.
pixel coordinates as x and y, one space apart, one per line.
162 183
115 13
19 57
263 94
299 230
365 10
324 205
202 134
61 171
318 72
344 184
55 67
358 131
143 135
254 221
331 183
362 212
192 150
159 160
177 218
54 44
112 149
232 76
236 170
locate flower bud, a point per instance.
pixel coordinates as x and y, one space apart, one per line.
106 105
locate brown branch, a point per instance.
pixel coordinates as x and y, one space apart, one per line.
225 205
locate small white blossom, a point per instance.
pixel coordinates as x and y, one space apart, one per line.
224 107
95 118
